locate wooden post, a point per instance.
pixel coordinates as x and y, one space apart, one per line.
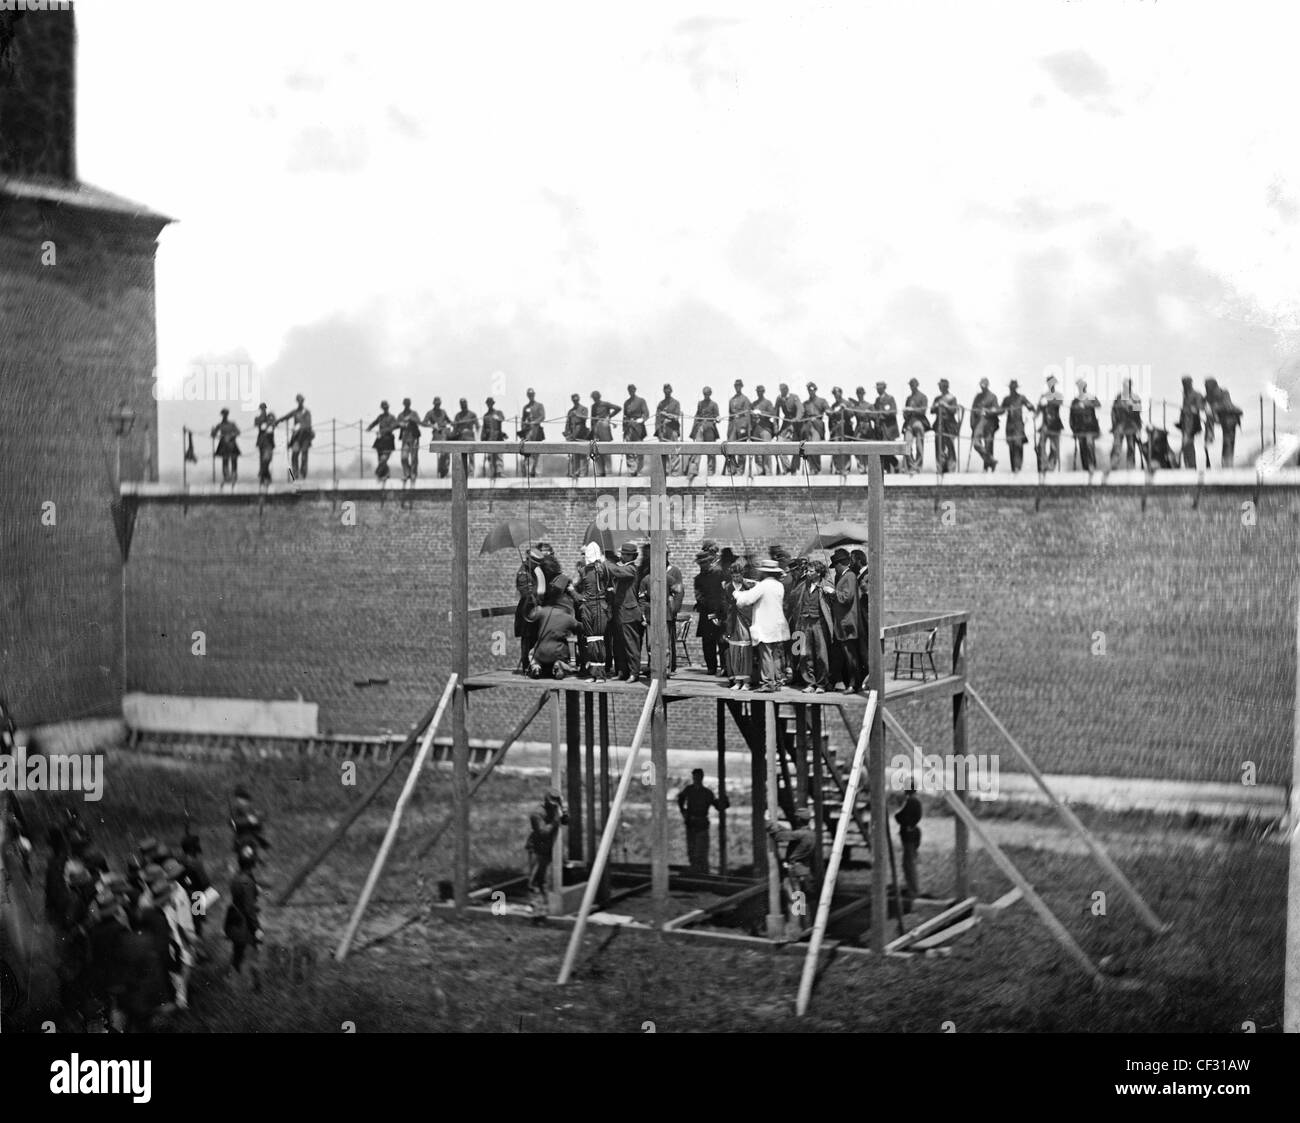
961 836
758 786
452 689
722 787
819 817
557 782
458 598
1148 917
604 782
800 746
833 866
607 837
589 728
573 772
876 752
1291 975
775 917
659 651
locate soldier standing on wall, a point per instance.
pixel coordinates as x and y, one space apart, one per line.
635 414
408 422
575 429
984 423
1125 426
439 423
225 432
915 425
384 444
530 429
946 426
814 427
704 429
884 413
494 429
1048 448
668 426
265 423
602 414
1014 405
789 411
762 426
300 442
738 410
464 427
1219 404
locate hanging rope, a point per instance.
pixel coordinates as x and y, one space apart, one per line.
812 502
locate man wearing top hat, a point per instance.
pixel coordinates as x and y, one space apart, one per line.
626 612
1048 449
408 424
710 607
635 415
844 637
1084 425
916 423
984 424
1014 406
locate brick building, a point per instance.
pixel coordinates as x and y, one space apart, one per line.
77 358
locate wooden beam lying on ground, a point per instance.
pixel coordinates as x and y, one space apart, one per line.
934 924
696 915
949 933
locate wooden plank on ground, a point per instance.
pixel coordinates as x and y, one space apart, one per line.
926 927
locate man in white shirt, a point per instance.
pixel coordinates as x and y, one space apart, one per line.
770 628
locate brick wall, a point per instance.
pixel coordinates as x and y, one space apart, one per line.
77 340
1111 639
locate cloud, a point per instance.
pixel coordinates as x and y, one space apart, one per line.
317 148
1078 75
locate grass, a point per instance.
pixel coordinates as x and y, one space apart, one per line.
1221 965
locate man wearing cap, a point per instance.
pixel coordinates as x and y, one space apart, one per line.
265 424
845 633
300 442
464 427
790 413
668 427
1084 425
635 415
530 429
626 609
408 424
438 420
908 818
243 926
543 828
947 426
555 623
738 410
984 424
575 429
916 423
762 426
1190 413
1014 406
1125 426
884 412
800 842
841 428
1219 405
384 444
225 431
704 429
1048 449
530 585
494 429
694 802
768 628
813 411
602 414
710 609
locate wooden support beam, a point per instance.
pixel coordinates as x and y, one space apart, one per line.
1103 859
458 597
961 836
722 787
800 756
833 866
934 924
354 812
696 915
819 808
775 917
376 869
660 652
557 782
949 933
573 771
1008 867
607 836
589 728
498 755
876 676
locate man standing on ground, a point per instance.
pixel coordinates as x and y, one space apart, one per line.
543 828
694 802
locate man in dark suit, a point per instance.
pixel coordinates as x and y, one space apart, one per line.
814 426
709 608
627 614
884 411
668 427
530 429
738 409
984 423
704 429
843 604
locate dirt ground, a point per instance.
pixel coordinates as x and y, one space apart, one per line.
418 969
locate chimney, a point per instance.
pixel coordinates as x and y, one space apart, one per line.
38 45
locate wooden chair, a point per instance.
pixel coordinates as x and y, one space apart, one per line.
684 634
916 654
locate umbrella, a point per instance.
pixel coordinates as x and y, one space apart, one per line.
745 528
841 532
516 533
602 536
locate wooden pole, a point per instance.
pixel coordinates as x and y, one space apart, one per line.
557 782
775 918
876 752
450 691
1007 866
758 788
607 836
497 757
589 728
458 598
722 787
573 772
604 783
1148 917
1291 975
659 662
354 813
961 836
833 866
819 812
800 748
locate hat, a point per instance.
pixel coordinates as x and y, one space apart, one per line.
703 556
769 565
301 398
406 401
1051 379
761 388
803 813
709 546
984 383
738 382
262 405
225 413
708 390
1013 384
491 401
812 386
553 794
879 386
628 549
942 383
383 405
534 554
913 383
560 582
840 555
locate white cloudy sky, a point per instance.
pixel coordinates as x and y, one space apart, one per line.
408 197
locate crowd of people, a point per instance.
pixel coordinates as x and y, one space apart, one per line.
763 622
128 940
786 417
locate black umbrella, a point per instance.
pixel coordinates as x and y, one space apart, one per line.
516 533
